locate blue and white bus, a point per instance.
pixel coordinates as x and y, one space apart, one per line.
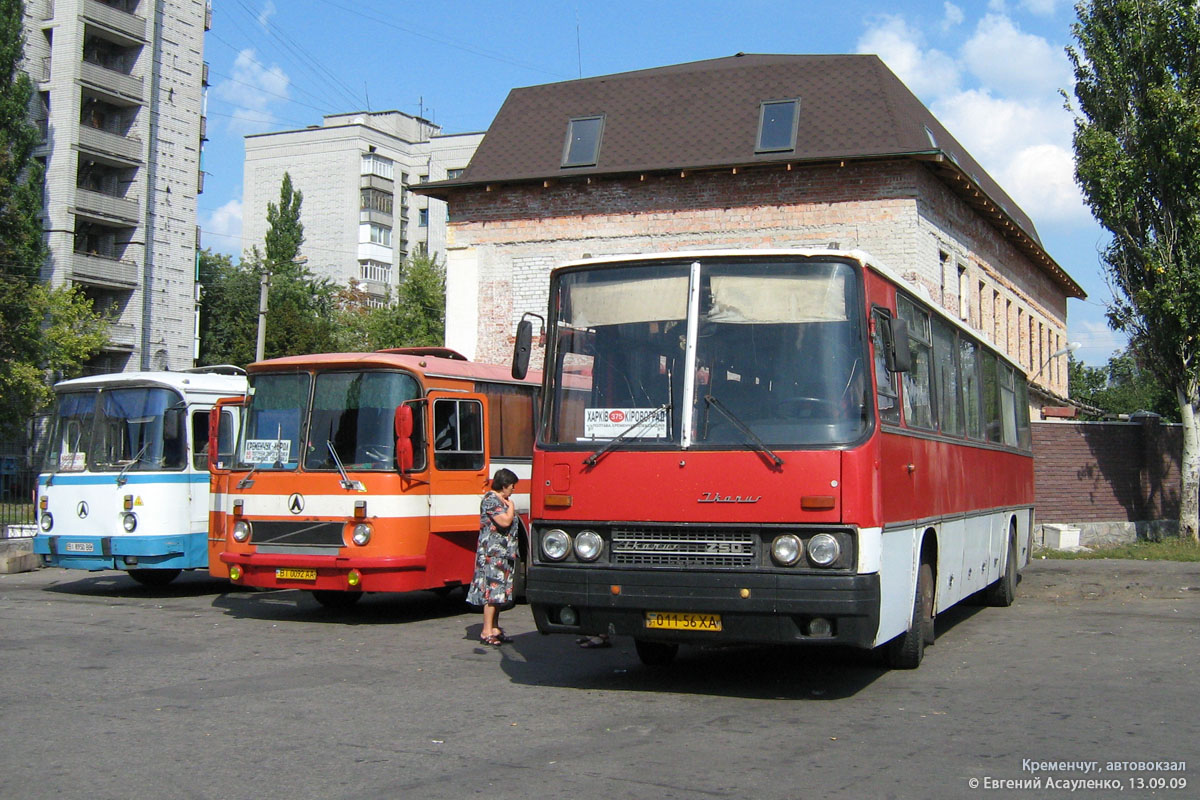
125 483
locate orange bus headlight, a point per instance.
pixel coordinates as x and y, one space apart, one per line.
786 549
823 549
241 531
362 534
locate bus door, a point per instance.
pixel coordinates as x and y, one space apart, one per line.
458 473
224 420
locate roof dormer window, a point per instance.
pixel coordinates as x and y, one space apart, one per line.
777 125
582 148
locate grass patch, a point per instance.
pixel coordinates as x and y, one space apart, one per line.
1170 549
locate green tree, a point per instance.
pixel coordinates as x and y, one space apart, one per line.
1137 156
285 231
228 310
416 317
1122 386
41 329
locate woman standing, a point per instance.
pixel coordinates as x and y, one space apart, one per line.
495 556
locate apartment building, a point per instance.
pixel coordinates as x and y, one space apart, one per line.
354 170
120 88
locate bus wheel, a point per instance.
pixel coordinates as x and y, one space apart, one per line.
907 649
655 654
336 600
1002 593
154 578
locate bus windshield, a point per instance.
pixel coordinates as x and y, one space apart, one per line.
350 414
133 428
722 353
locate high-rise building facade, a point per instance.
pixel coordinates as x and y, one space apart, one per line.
360 220
119 99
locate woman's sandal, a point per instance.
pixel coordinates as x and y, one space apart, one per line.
492 641
593 642
502 636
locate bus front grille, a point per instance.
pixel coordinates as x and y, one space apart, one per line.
298 533
681 548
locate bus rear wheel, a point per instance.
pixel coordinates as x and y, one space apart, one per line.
336 600
154 578
655 654
907 649
1002 593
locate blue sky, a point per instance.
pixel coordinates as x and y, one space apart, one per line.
990 71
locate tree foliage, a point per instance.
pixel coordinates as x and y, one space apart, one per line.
42 330
1121 387
1137 148
415 317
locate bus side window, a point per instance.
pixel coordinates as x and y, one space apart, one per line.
200 440
458 434
885 379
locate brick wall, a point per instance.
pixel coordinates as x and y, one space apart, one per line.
1106 472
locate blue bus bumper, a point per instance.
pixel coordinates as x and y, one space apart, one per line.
182 551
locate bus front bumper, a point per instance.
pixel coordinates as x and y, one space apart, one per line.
753 608
127 551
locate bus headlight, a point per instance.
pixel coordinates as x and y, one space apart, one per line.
786 549
823 549
556 544
362 534
588 545
241 531
129 522
47 521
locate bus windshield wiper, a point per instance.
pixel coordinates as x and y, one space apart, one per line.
623 435
751 438
121 479
346 482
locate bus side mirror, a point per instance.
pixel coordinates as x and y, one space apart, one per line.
521 348
404 431
898 351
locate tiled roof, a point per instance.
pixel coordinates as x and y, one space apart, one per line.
705 115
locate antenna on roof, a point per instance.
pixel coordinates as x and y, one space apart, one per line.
578 49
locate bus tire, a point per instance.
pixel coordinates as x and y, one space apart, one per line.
907 649
336 600
655 654
1002 593
154 578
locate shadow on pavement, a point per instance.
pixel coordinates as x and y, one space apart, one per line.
294 605
115 583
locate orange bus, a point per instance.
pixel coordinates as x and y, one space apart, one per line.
363 472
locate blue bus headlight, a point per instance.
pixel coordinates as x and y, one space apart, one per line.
588 545
786 549
241 531
556 544
823 549
129 522
47 521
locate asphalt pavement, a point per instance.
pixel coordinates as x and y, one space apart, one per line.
200 690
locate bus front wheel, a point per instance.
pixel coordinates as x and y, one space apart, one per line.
154 578
336 600
655 654
907 649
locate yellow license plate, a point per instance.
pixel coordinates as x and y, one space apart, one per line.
676 621
289 574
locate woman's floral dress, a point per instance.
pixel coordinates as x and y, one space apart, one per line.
495 556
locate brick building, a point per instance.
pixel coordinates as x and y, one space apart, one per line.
745 151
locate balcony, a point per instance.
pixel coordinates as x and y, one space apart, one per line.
121 336
97 270
368 215
128 87
116 20
113 145
376 182
106 205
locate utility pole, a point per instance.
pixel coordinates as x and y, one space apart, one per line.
264 287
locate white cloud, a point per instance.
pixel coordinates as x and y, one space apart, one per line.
1041 8
222 231
252 90
265 15
952 17
1012 62
899 45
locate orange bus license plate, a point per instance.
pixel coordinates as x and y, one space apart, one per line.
289 574
675 621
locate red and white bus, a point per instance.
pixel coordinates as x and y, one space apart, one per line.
363 472
769 446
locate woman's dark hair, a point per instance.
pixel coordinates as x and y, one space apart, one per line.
504 479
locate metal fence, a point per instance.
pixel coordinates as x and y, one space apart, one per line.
19 460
